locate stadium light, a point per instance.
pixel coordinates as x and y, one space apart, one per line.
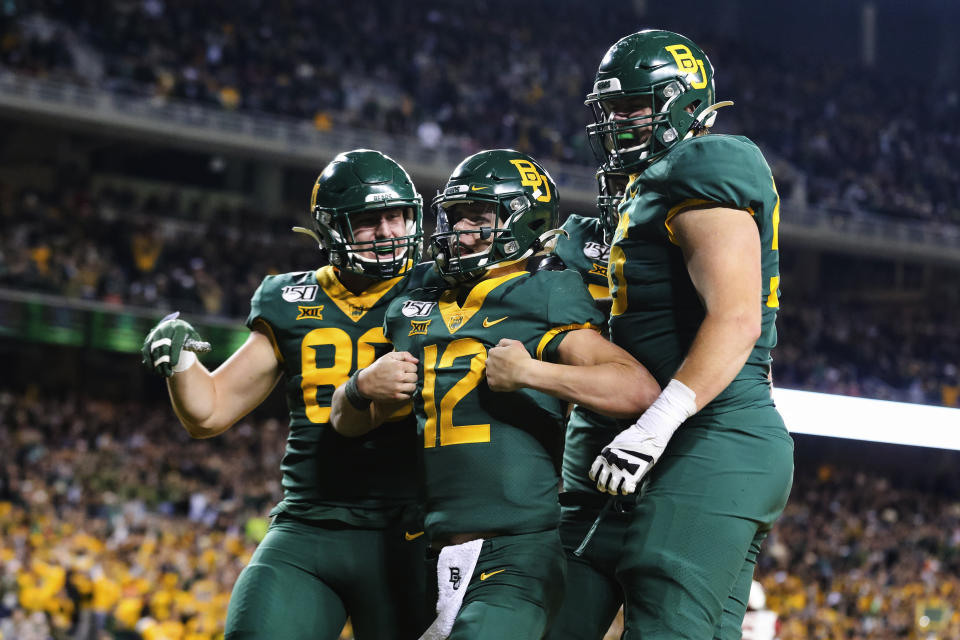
822 414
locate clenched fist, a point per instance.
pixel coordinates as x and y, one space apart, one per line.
506 365
392 377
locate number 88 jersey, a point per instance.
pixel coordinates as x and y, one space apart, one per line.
322 333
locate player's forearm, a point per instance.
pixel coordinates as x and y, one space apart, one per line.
193 394
615 389
720 349
346 419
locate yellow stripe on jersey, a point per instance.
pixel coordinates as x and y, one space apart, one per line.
353 305
598 291
776 219
690 204
455 316
260 323
550 335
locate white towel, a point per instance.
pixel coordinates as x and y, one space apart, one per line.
454 570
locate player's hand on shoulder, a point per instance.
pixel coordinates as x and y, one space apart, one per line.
626 460
165 344
505 365
392 377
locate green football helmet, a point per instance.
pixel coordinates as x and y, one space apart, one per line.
517 189
674 76
356 182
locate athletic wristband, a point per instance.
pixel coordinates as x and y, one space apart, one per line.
187 360
354 397
673 406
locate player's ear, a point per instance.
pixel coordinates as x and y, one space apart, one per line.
546 262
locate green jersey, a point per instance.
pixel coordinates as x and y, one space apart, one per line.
583 249
322 333
489 458
656 311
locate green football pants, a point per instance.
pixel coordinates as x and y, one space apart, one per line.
694 535
515 590
304 580
593 596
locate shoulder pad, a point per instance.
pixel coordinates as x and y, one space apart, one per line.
573 220
546 262
729 170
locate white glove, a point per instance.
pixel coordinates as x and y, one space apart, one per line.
626 460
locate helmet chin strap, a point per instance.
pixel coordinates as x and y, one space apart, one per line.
706 118
308 232
549 239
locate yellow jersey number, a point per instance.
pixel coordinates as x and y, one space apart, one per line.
335 375
773 297
439 429
615 278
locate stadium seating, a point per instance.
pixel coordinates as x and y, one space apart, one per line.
112 518
472 80
113 521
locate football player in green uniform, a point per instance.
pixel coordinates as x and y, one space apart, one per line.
593 595
694 278
501 350
345 540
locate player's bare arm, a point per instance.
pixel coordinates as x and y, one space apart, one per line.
208 404
591 372
380 389
721 247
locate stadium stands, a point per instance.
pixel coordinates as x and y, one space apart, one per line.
857 556
112 246
112 520
469 80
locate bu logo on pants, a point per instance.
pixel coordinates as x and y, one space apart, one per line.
455 577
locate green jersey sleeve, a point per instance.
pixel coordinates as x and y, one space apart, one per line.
583 249
256 302
569 306
265 302
718 169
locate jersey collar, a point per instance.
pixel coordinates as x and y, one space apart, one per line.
353 305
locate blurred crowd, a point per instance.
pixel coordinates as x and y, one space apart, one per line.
859 556
487 75
112 246
154 252
907 353
116 525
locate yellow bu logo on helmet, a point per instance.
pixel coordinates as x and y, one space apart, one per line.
688 64
530 177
